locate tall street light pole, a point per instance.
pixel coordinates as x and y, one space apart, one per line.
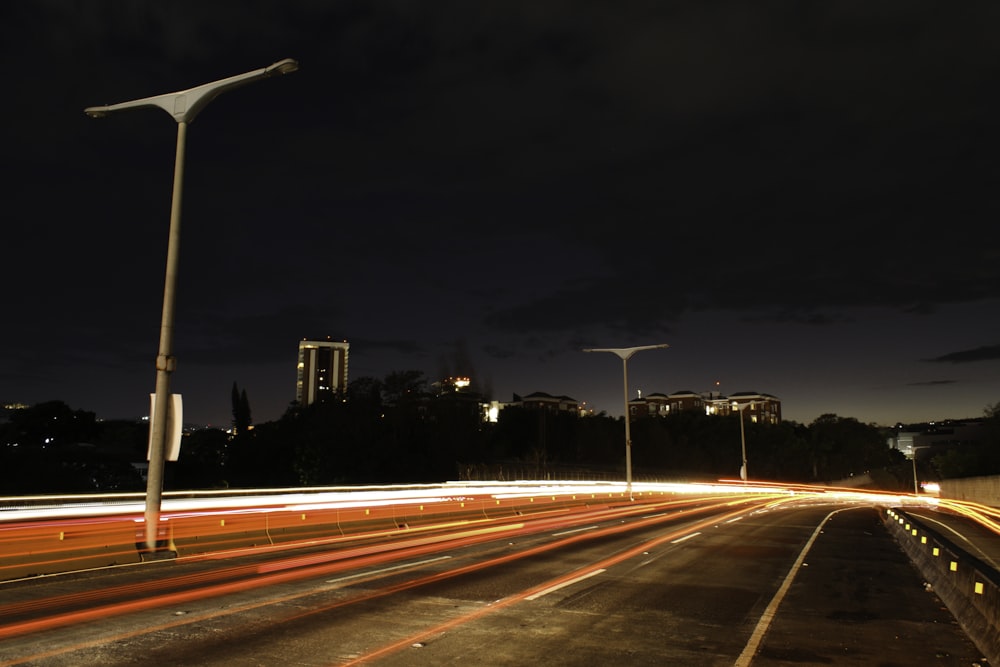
744 472
916 486
626 353
183 106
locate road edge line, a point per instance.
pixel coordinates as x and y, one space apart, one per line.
757 636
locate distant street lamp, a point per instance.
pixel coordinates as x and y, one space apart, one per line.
626 353
913 458
183 106
744 473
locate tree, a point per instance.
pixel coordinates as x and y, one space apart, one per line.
50 448
202 463
50 424
241 410
974 459
402 387
842 447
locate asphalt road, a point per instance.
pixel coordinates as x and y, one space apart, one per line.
801 584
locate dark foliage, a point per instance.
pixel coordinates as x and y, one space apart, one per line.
973 459
241 410
51 448
394 431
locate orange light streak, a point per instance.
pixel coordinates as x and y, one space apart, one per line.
984 515
349 560
539 589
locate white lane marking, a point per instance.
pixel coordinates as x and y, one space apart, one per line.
653 516
685 538
575 530
564 584
972 545
387 569
772 608
739 518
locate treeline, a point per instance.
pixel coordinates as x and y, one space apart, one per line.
394 431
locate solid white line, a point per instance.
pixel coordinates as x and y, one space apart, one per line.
685 538
564 584
772 608
386 569
970 543
575 530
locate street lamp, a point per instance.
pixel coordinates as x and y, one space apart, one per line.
626 353
916 488
744 473
183 106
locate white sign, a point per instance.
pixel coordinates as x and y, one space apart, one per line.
175 425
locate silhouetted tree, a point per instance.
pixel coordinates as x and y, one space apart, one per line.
842 447
202 463
394 431
50 448
973 459
241 410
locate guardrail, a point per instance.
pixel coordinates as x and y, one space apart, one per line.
967 586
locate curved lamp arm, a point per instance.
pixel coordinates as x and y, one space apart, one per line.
184 105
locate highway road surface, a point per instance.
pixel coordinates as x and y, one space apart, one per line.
761 580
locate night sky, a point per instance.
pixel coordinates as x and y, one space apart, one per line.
800 198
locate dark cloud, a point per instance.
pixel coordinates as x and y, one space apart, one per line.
932 383
527 177
984 353
408 347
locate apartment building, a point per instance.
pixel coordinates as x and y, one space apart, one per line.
321 371
757 407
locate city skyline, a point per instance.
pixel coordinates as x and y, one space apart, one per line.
612 395
798 200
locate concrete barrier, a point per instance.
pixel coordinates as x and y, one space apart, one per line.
39 549
982 490
967 586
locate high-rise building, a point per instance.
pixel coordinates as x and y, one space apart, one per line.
322 370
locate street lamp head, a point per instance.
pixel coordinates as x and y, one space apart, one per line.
286 66
184 105
626 352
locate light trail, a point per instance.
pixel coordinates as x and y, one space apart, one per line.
981 515
984 515
42 535
421 540
215 588
536 591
